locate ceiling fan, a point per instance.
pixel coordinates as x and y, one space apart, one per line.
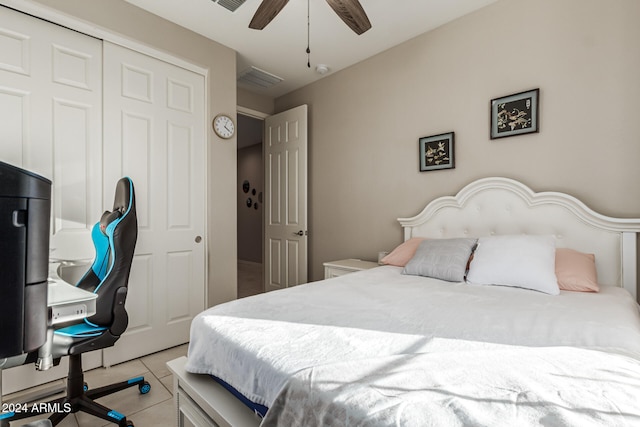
350 11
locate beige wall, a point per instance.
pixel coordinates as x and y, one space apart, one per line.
261 103
250 168
365 121
122 18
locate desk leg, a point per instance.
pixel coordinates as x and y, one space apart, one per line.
45 359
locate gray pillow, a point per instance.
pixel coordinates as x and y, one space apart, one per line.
444 259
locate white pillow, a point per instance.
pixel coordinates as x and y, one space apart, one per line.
519 261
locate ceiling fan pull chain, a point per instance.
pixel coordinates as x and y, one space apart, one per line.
308 36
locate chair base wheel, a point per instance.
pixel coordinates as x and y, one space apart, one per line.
144 388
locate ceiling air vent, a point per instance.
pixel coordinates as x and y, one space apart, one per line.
256 77
232 5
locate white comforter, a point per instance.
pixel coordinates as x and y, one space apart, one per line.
257 344
498 387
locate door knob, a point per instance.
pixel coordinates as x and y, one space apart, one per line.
198 239
299 233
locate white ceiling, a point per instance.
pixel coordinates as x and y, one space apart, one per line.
280 48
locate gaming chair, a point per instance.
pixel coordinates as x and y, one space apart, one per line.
114 238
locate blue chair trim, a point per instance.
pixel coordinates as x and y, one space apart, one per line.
101 243
115 414
81 330
111 227
91 324
135 380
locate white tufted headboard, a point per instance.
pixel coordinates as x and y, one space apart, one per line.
493 206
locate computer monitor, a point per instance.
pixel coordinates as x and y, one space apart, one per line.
25 209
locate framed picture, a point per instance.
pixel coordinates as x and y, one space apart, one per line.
436 152
515 114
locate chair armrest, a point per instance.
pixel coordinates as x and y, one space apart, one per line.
120 316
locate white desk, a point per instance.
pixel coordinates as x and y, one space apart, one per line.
66 301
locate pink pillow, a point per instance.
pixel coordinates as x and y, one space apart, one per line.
401 255
576 271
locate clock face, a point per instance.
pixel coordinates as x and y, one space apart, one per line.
223 126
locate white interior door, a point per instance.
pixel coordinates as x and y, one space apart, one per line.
286 234
155 133
51 123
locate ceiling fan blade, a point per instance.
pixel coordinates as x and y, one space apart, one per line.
352 13
267 10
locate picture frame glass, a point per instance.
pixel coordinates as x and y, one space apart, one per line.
436 152
515 114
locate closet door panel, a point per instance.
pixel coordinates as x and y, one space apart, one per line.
51 105
156 136
51 124
14 111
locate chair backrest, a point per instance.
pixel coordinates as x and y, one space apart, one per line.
114 238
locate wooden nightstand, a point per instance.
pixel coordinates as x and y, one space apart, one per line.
345 266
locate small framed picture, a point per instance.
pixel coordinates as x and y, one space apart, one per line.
515 114
436 152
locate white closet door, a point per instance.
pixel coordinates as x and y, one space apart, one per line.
51 123
155 133
51 120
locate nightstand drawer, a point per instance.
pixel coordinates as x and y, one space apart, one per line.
346 266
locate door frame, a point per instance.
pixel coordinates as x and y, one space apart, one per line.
259 115
252 113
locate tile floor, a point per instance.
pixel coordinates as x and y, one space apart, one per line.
154 409
249 279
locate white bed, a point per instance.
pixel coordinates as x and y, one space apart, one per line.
353 349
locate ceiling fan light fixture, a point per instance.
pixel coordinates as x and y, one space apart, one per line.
322 69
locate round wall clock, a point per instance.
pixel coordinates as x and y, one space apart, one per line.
223 126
